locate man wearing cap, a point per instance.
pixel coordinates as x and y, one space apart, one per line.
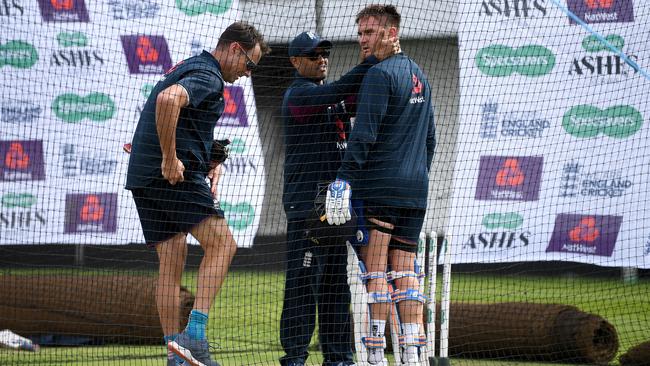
316 118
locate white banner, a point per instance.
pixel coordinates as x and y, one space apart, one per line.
75 76
553 139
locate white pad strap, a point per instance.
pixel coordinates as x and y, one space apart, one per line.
418 341
379 297
374 342
393 275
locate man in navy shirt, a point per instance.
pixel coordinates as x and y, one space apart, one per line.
170 159
316 123
386 165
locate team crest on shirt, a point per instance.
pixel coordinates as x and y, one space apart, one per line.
416 92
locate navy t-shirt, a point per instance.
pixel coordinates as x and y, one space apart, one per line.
201 77
391 146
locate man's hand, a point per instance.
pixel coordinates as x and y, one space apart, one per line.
172 170
386 46
214 174
337 202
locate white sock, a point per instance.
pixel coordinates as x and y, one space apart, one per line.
377 328
411 332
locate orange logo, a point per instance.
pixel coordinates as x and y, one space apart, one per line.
599 4
231 106
585 231
62 4
417 85
145 51
510 174
16 158
92 210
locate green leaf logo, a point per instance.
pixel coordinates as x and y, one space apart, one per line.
18 54
507 220
72 39
593 44
586 121
146 90
198 7
499 60
237 146
73 108
24 200
240 216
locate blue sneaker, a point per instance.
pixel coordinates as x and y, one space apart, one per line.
192 352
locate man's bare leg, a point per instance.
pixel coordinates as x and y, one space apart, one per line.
171 255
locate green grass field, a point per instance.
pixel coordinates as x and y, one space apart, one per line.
246 315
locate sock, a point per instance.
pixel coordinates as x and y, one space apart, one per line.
196 326
377 328
411 332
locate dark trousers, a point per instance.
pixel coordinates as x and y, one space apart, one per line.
316 281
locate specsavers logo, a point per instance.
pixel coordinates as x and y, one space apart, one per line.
585 234
239 215
585 121
198 7
73 108
18 54
499 60
18 200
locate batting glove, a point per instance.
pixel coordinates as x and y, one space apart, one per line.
337 202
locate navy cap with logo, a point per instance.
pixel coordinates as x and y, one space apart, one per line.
306 42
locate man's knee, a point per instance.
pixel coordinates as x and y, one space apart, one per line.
214 233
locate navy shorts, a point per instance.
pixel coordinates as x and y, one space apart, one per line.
407 224
166 210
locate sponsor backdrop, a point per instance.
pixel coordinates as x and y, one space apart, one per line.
550 129
80 73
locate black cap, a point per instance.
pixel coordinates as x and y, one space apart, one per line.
306 42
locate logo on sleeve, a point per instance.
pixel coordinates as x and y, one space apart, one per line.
64 10
602 11
585 234
21 160
234 113
509 178
416 92
95 212
146 54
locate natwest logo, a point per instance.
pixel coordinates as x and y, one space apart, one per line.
146 54
585 234
96 212
513 8
63 10
509 178
234 113
21 160
602 11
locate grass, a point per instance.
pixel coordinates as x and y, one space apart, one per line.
246 315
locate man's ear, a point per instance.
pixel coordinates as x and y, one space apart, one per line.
392 32
295 61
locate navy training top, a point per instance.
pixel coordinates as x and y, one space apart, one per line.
391 145
201 77
316 124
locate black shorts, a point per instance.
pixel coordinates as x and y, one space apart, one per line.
407 224
166 210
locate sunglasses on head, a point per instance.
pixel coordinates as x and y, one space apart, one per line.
250 65
313 56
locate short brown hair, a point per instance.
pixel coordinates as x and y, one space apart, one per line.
388 12
244 34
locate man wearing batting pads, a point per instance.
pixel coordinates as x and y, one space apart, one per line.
316 117
172 155
386 165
